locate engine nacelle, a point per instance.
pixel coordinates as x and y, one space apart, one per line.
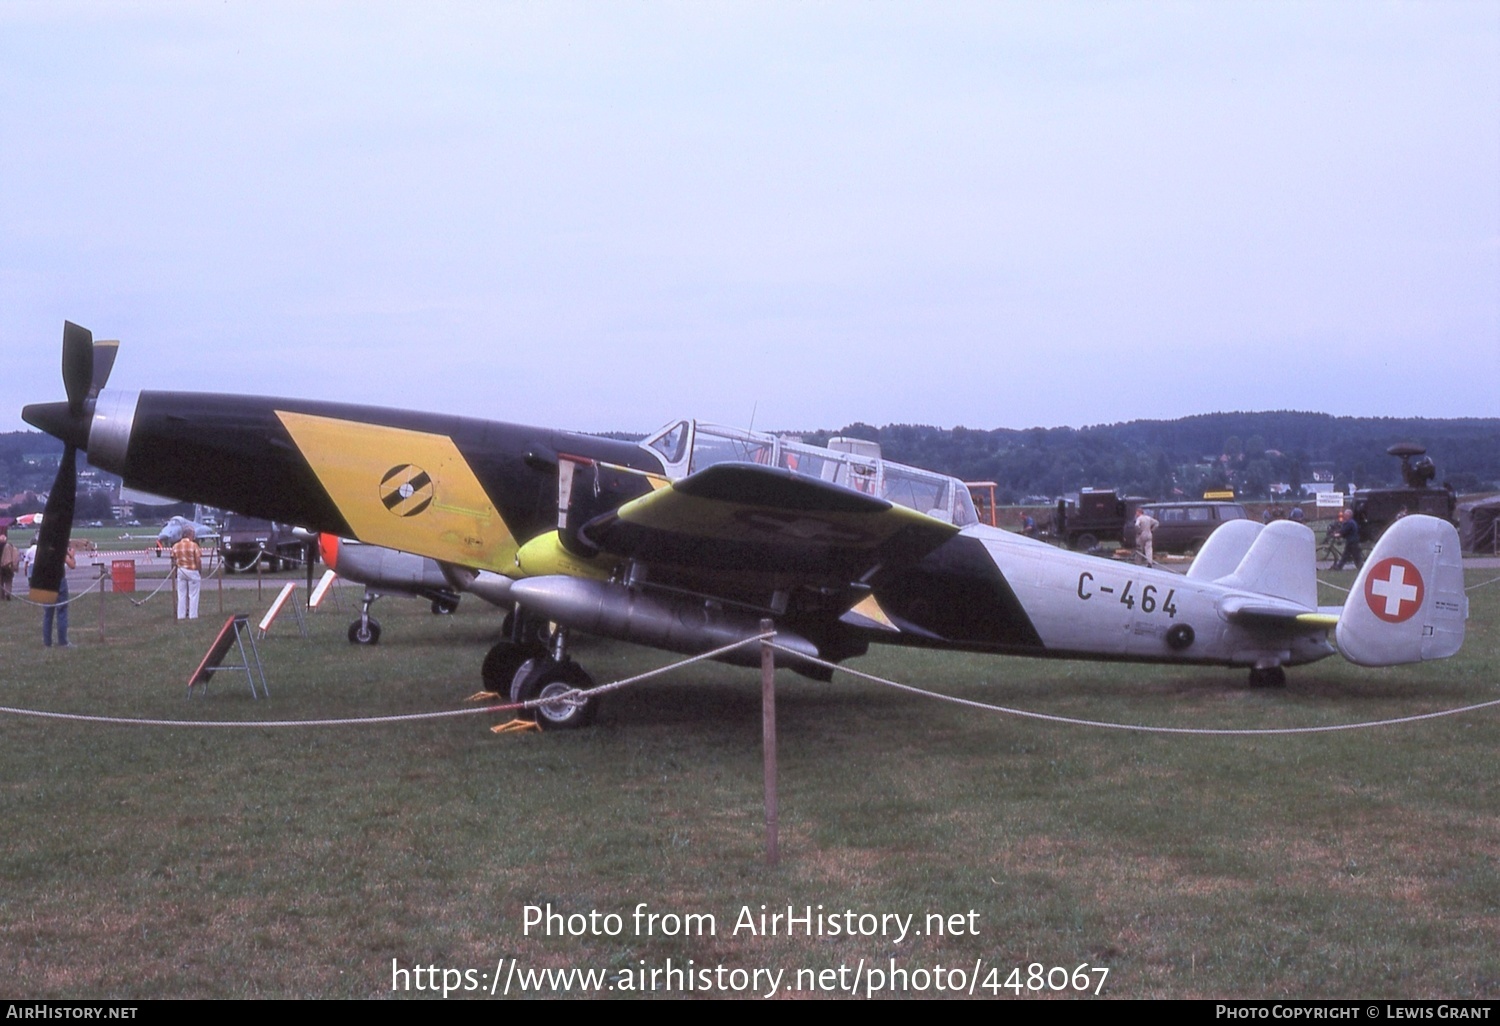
675 623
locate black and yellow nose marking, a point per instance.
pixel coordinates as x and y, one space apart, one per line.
406 490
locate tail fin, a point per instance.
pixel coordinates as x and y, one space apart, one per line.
1408 603
1280 562
1224 549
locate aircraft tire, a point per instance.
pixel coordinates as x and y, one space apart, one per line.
1270 677
359 634
546 678
501 664
443 607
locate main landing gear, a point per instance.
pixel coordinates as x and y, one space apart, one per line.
1267 677
530 664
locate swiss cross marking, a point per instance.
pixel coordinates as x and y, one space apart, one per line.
1394 590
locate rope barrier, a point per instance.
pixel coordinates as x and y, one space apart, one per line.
345 721
573 695
67 602
583 695
603 689
1467 587
1142 728
155 591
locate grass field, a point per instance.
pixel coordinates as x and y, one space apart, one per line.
206 862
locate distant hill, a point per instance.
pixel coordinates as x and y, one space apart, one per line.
28 462
1249 451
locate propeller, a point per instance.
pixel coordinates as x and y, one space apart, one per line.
85 368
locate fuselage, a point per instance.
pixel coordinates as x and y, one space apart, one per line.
369 473
1015 595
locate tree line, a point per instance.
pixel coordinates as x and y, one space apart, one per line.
1250 452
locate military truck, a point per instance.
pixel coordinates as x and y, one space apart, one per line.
1375 509
1097 514
245 541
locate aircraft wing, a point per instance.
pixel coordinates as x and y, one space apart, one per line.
751 523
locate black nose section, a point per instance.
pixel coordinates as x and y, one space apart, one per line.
58 421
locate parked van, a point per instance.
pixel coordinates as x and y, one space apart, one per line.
1184 526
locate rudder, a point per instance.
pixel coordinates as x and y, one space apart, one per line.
1408 603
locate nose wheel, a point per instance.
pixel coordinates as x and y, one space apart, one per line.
365 630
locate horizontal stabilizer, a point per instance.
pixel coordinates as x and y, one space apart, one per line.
1408 603
1255 607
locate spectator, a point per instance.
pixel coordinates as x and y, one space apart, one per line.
58 611
1348 530
10 562
187 559
1145 523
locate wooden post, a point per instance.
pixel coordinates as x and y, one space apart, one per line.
768 741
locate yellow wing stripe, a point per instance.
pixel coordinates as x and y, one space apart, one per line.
408 490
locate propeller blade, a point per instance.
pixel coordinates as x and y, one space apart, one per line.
104 362
77 364
57 526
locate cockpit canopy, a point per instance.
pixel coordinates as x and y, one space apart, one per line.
687 446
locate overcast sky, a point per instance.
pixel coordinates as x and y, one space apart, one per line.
606 215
